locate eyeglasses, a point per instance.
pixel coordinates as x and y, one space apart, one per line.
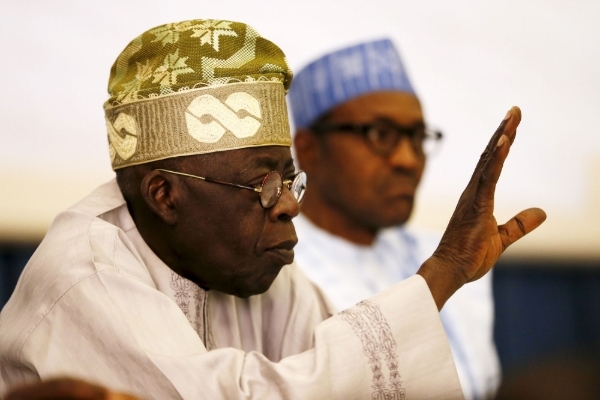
270 189
383 137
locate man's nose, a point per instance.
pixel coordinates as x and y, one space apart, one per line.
286 208
405 155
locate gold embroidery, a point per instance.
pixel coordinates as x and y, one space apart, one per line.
124 146
169 33
224 119
257 117
112 153
172 66
239 58
131 88
159 74
210 30
271 68
122 63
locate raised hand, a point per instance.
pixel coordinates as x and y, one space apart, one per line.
473 241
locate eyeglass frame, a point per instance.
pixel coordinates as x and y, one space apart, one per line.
363 130
289 183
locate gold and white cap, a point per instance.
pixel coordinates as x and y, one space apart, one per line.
196 87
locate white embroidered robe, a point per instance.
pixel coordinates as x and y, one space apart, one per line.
95 302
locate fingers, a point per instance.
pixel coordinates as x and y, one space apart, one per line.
492 160
507 127
513 119
520 225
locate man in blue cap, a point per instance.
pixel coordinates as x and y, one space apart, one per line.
362 140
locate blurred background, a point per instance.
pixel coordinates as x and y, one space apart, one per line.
469 62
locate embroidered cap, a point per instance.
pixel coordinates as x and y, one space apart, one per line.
344 74
196 87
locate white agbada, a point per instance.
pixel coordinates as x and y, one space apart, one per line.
349 273
95 302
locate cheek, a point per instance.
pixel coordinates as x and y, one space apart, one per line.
238 231
248 231
355 172
225 226
230 260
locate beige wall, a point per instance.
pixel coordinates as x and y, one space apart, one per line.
469 61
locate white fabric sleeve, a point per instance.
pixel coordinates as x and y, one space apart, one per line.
143 344
468 317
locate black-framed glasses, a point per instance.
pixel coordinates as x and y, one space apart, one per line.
383 137
270 189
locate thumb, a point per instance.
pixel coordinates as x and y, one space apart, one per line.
520 225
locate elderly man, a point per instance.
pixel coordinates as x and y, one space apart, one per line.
362 140
170 281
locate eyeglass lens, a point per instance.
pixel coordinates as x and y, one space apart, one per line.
385 139
299 186
271 189
272 186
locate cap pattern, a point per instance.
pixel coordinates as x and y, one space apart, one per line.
344 74
177 73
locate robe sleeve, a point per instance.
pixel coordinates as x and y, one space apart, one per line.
468 318
119 332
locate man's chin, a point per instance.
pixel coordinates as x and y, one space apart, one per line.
389 219
396 214
258 286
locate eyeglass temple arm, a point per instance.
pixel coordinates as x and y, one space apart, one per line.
258 189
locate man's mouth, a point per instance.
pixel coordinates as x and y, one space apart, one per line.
283 256
399 195
288 244
400 187
283 251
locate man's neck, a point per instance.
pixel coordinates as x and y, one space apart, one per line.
145 223
332 220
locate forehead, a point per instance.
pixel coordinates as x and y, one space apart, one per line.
400 107
235 162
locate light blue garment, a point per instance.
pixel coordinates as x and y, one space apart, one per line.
349 273
344 74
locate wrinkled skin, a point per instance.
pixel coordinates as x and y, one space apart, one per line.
218 236
354 192
473 240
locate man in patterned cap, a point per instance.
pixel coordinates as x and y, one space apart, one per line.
362 139
169 282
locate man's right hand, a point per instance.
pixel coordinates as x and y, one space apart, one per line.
473 241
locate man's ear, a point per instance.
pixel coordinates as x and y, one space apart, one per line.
158 191
308 149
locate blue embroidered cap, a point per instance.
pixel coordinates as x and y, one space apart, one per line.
344 74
